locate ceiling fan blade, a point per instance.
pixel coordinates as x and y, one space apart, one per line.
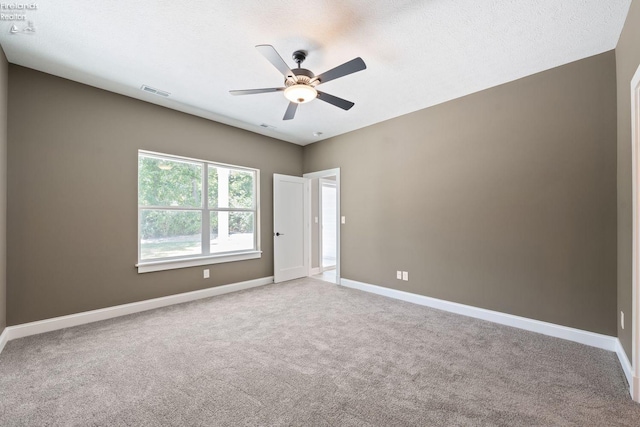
334 100
276 60
254 91
291 111
345 69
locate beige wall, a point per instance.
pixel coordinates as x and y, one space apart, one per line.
504 199
627 61
72 194
4 74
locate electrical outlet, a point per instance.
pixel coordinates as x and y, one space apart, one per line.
405 275
399 275
205 273
622 319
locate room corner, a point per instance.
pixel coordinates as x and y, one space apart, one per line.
4 68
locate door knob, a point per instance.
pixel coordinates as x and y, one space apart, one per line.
279 234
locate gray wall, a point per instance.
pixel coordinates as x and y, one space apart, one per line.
72 194
4 82
627 61
504 199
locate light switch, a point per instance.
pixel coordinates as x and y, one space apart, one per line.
405 275
344 220
399 275
316 218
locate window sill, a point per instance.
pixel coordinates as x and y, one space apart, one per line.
149 266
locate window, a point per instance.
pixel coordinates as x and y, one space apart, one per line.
194 212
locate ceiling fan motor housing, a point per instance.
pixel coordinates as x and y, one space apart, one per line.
303 76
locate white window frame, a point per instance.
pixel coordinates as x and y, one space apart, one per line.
206 257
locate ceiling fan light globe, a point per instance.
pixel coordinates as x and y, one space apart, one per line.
300 93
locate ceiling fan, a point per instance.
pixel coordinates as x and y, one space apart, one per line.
300 83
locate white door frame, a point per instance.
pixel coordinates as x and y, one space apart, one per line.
323 174
635 156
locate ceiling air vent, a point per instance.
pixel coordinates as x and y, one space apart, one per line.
266 126
155 91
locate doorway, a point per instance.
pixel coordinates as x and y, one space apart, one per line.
328 224
324 224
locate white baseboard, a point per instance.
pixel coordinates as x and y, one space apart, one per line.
626 365
4 337
593 339
314 271
48 325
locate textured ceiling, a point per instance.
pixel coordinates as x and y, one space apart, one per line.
418 52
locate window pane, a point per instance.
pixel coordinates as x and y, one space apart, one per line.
230 188
241 189
165 233
164 182
232 231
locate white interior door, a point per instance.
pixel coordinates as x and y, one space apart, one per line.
290 239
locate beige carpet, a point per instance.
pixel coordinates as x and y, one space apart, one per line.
307 353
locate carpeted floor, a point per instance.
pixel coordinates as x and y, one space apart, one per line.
307 353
